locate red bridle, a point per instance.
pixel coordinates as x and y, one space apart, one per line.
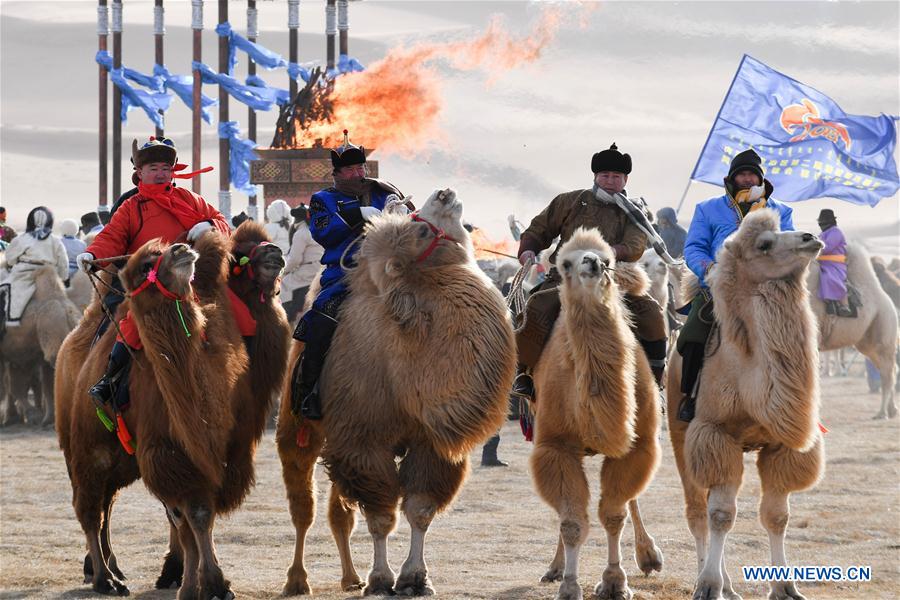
439 234
153 278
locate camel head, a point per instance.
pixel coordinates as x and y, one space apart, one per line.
584 262
396 246
654 266
255 258
759 251
159 270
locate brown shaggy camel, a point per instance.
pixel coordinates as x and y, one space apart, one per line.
595 395
759 391
29 351
874 330
257 284
185 426
419 369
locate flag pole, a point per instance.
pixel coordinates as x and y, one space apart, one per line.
709 135
683 196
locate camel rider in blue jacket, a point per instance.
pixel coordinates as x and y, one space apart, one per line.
337 216
746 190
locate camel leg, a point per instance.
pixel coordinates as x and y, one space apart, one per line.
201 518
721 513
782 471
298 470
429 483
727 589
342 520
190 584
105 544
173 561
8 413
555 570
694 495
883 359
89 507
47 377
559 477
621 481
646 553
381 577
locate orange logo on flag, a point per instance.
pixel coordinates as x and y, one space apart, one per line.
803 121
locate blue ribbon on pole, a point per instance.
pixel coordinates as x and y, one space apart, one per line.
150 102
277 95
240 154
260 54
249 95
183 86
296 71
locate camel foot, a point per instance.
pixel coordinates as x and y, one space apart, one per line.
708 590
297 588
380 584
649 558
415 583
613 584
785 590
569 590
552 574
352 584
731 595
892 411
110 587
172 571
89 569
880 416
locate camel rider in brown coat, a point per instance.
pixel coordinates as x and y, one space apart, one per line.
606 208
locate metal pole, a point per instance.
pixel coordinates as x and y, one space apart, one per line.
344 26
330 31
252 34
293 26
224 145
117 101
102 36
197 29
159 32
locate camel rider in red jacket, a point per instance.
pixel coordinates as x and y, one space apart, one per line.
159 209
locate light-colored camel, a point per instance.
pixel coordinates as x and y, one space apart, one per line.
759 390
419 369
29 350
183 426
80 291
874 330
595 394
665 285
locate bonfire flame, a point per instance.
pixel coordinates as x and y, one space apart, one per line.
395 103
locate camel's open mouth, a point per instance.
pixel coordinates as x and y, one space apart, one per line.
810 246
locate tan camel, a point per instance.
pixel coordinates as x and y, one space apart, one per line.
80 291
595 395
759 390
873 332
420 368
29 350
183 425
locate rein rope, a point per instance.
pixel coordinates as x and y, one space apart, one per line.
153 278
515 299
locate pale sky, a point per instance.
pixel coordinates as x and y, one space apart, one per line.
647 75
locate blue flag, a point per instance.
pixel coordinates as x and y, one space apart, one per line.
809 146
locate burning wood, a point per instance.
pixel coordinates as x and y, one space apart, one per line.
311 105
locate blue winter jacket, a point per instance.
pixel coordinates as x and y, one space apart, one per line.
335 221
714 220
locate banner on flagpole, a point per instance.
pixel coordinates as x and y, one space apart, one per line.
810 147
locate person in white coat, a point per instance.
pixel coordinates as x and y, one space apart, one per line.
74 246
27 253
278 224
302 266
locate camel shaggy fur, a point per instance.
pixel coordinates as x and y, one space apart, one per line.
759 390
595 395
190 442
874 330
29 351
419 369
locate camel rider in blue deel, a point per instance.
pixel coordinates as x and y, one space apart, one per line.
337 216
746 190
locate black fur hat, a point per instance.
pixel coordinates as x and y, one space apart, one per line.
611 160
748 160
154 150
347 154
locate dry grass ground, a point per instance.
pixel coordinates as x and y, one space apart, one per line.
497 539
